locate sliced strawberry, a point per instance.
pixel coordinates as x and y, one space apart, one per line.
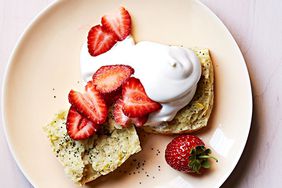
111 98
139 121
100 41
123 120
79 127
110 78
120 23
119 116
90 104
136 101
89 85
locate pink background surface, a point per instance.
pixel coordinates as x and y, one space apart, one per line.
255 25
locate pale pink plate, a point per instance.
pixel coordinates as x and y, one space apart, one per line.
45 66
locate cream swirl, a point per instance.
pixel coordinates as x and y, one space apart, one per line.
169 74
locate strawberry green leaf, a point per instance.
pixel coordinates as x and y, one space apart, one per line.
199 158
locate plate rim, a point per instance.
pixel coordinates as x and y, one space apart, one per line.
7 70
250 107
45 10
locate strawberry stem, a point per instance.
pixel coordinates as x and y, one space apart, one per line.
199 158
208 157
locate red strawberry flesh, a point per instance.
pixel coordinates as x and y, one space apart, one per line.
119 116
111 98
123 120
100 41
119 24
136 101
79 127
109 78
90 104
139 121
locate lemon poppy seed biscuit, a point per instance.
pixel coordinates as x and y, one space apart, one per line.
196 114
99 155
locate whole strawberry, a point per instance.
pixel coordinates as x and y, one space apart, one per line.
187 153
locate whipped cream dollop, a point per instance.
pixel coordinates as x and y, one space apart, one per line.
169 74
